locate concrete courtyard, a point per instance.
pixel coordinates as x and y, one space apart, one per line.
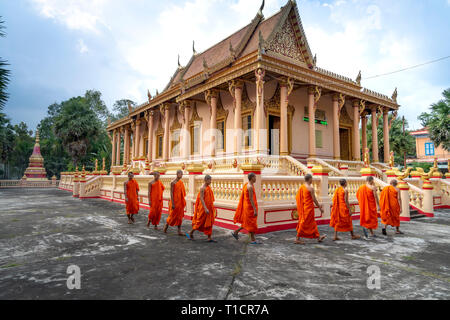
44 231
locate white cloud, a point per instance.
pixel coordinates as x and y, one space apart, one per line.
84 15
82 46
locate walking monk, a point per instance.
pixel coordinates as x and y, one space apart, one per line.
131 191
177 203
341 216
204 211
247 210
307 226
368 206
391 207
155 200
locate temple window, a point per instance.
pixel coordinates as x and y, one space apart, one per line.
195 139
159 146
319 140
429 149
247 131
175 143
220 137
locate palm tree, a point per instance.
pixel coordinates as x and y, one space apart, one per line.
4 74
438 121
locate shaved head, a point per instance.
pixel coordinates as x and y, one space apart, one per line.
394 182
208 177
308 178
251 175
369 179
343 182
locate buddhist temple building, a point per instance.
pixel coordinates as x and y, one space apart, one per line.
257 102
259 91
36 171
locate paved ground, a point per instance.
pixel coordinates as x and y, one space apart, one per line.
42 232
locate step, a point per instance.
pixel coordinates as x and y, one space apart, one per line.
414 214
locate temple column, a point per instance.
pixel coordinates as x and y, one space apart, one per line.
114 145
356 139
150 116
133 142
118 148
314 94
364 131
165 111
386 148
137 139
185 108
141 142
211 99
260 123
374 135
336 140
126 147
236 87
286 86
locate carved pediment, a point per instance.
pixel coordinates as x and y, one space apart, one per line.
285 43
345 118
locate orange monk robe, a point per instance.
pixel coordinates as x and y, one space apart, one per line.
307 226
245 213
367 207
341 220
157 202
176 216
133 201
203 221
390 208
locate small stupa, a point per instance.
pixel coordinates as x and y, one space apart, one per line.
36 170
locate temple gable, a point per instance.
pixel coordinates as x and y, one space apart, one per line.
285 43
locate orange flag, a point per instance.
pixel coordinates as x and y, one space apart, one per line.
203 221
341 220
390 208
307 226
176 216
157 202
133 201
367 207
245 213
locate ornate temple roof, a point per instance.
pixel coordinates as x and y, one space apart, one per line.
280 37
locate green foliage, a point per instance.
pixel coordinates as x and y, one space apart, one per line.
399 142
4 74
438 121
120 109
426 166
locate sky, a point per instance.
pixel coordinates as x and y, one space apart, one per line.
58 49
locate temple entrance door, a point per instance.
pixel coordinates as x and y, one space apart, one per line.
274 135
344 139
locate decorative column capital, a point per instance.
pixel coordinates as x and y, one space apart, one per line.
233 85
211 94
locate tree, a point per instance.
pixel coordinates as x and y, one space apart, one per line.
4 73
23 147
438 121
77 125
95 102
120 109
400 142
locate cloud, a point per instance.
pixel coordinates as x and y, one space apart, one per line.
83 15
82 46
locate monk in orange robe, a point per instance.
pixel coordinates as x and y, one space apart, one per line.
306 199
391 207
131 191
177 203
204 211
247 210
368 206
155 200
341 214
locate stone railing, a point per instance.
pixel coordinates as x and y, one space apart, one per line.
445 190
295 167
352 167
28 184
421 199
281 189
225 188
333 170
353 184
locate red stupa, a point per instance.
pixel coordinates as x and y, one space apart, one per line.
36 170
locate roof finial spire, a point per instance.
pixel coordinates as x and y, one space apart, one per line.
260 12
358 78
193 47
179 64
37 136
